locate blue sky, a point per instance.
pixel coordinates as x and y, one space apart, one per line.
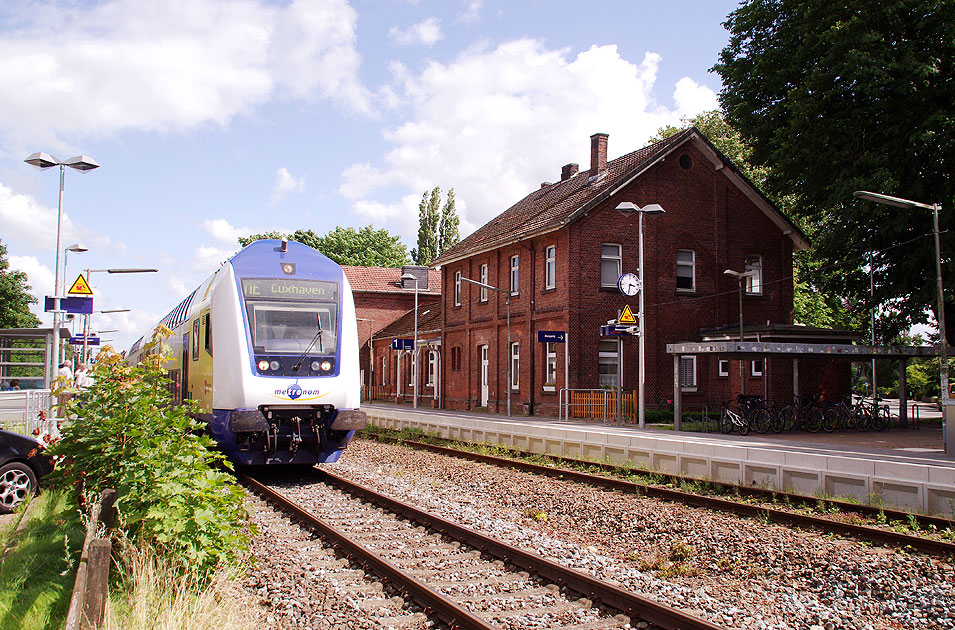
214 119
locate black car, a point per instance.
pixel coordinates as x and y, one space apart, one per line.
22 463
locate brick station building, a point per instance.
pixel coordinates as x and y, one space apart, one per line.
557 254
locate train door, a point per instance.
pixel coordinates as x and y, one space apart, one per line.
184 389
201 368
484 376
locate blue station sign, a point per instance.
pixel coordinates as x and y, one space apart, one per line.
81 305
400 343
618 330
90 341
551 336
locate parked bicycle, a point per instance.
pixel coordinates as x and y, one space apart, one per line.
731 419
805 412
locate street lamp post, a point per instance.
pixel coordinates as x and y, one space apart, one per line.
942 341
80 163
76 248
86 324
741 276
414 354
507 304
627 208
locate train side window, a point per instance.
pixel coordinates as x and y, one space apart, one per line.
208 333
195 339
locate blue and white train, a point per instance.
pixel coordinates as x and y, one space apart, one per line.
268 345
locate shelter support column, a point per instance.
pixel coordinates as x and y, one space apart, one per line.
677 402
903 396
795 378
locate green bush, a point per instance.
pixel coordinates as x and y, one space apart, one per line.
126 434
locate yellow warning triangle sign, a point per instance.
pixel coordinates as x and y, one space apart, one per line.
627 316
80 287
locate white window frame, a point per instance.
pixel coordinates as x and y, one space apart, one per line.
384 370
432 367
691 360
550 366
723 367
550 267
515 274
483 295
616 259
754 283
691 264
413 372
515 365
608 357
753 370
457 288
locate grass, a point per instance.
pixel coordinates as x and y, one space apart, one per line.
38 567
151 595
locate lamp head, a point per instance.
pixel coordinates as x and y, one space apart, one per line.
77 248
42 160
82 163
628 207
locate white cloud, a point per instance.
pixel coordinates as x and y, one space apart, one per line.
494 123
285 183
427 33
471 12
207 259
126 64
225 232
24 219
40 279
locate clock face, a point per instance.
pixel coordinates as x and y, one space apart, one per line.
628 284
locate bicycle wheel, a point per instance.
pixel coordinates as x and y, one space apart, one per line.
813 420
726 421
830 420
863 419
880 419
762 420
741 423
777 421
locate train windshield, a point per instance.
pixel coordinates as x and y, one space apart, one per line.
285 315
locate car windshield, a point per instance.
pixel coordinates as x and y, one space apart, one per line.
285 315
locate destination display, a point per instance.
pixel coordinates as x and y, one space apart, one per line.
289 289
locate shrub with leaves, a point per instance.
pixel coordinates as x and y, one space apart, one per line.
126 434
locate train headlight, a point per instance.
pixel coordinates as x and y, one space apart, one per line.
274 365
326 366
316 366
263 366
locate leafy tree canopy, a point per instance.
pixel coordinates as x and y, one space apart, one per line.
366 247
15 296
437 226
837 97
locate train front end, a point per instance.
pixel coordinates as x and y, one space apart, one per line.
286 357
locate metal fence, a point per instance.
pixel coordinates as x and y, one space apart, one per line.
20 410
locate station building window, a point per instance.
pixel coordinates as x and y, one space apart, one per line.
754 282
685 270
515 365
688 373
610 264
550 367
550 267
607 361
483 295
515 275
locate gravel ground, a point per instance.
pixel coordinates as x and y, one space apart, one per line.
735 572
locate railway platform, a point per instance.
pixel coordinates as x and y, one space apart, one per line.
915 478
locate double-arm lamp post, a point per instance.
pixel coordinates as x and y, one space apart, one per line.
741 277
507 302
942 341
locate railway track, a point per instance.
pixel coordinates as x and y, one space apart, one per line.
459 576
784 517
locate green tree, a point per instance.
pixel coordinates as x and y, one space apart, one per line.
429 223
365 247
437 226
448 235
15 296
855 95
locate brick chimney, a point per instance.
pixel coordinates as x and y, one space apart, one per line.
598 153
570 170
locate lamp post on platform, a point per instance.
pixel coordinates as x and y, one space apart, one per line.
627 208
942 340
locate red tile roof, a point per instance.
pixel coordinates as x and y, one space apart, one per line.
386 280
556 205
429 323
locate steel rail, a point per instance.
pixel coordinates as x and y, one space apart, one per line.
628 602
432 601
863 532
